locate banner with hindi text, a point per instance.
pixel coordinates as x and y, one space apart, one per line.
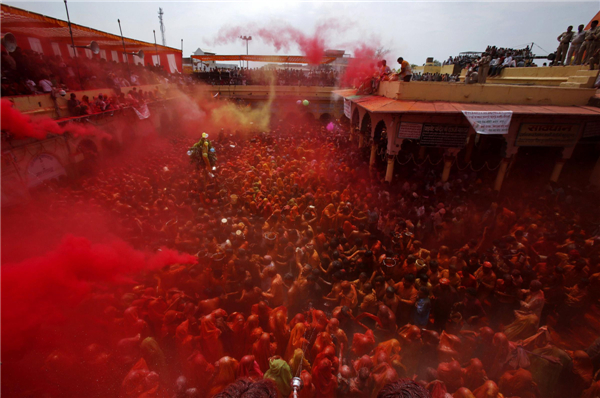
489 122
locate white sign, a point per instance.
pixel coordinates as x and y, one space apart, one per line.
411 131
143 112
348 108
489 122
44 167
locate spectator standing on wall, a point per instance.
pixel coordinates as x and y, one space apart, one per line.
575 45
587 46
405 70
484 67
561 52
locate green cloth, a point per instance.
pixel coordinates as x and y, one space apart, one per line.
546 374
279 371
151 352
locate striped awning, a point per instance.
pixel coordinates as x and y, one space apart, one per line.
23 23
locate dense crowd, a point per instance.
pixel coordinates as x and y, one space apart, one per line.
263 76
523 56
311 266
25 72
104 102
435 77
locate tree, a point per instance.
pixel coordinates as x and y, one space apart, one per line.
381 52
436 63
413 66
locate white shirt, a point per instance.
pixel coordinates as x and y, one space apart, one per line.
46 85
507 61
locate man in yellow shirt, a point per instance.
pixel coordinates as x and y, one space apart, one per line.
405 71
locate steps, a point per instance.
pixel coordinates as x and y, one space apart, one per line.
581 79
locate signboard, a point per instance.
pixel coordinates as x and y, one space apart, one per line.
411 131
592 129
44 167
444 135
348 108
547 134
489 122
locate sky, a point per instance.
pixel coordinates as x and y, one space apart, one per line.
414 30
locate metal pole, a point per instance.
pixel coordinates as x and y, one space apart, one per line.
182 47
155 47
247 62
73 46
124 50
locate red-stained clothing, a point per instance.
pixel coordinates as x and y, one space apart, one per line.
323 379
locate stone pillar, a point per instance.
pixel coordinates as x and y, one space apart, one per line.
501 173
595 176
558 166
361 140
448 160
470 146
422 152
351 132
389 173
373 155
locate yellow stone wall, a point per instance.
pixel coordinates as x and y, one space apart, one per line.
487 94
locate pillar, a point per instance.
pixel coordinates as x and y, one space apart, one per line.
558 166
595 177
448 160
469 149
351 132
422 152
373 155
389 172
361 140
501 173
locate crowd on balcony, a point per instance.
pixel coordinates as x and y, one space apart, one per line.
104 102
465 59
266 76
25 72
435 77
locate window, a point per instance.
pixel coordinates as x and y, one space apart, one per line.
71 51
56 49
36 45
125 58
172 63
89 53
155 60
103 54
115 56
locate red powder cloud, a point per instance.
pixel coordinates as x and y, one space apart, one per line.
42 291
22 126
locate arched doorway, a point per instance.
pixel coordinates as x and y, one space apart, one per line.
365 127
380 140
325 118
308 117
355 119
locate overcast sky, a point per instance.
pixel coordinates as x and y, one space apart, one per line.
415 30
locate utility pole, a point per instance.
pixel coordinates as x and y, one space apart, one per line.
247 39
156 47
162 26
73 46
124 49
